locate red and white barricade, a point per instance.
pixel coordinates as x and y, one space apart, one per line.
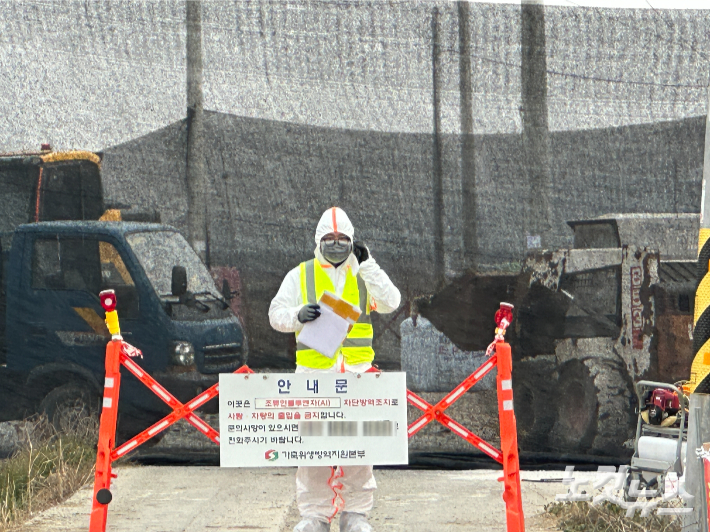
120 353
500 357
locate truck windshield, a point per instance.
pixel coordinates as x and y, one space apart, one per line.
159 251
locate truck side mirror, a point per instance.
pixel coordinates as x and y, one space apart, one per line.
226 290
178 284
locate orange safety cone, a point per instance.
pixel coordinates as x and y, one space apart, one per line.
109 415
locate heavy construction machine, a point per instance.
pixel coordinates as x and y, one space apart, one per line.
591 320
46 185
49 185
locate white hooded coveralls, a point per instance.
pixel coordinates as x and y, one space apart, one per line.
322 491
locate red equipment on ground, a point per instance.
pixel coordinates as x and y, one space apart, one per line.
661 404
500 356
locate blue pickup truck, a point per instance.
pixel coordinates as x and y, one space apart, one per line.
52 330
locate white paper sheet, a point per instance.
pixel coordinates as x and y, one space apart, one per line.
327 332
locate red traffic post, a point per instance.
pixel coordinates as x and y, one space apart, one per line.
119 352
512 494
109 416
500 357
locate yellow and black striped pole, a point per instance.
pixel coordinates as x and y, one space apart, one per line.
700 370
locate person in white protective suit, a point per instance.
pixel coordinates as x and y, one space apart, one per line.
346 268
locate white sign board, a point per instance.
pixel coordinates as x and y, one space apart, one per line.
308 419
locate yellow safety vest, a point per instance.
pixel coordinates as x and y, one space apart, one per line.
357 346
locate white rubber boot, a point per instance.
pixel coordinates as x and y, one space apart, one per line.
354 522
311 524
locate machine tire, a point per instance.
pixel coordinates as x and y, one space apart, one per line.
627 486
616 420
593 408
576 408
533 395
71 407
656 483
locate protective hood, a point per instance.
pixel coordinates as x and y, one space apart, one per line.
335 220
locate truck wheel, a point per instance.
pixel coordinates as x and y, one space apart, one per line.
130 426
71 408
594 408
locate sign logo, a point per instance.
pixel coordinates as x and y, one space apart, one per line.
271 455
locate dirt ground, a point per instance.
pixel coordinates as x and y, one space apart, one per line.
192 498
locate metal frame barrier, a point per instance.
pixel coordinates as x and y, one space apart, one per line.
116 355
